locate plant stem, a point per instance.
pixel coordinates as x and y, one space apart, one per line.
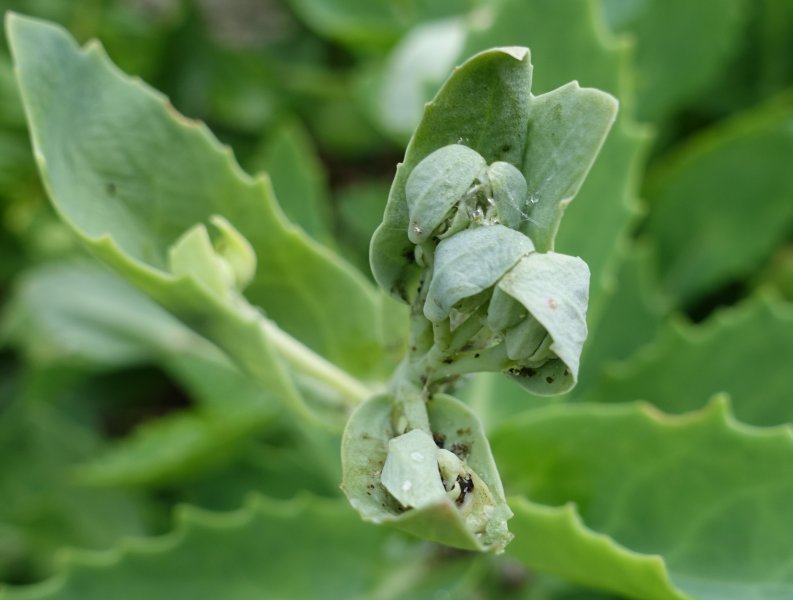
306 361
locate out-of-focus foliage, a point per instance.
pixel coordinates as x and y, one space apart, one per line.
112 412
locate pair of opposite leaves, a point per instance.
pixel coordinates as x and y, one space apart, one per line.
474 229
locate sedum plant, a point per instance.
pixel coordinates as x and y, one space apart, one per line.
466 241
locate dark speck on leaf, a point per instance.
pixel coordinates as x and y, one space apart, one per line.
448 361
461 450
549 379
476 355
439 439
506 148
566 372
111 188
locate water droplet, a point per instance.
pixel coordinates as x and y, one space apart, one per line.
417 229
490 201
534 198
407 485
417 457
476 214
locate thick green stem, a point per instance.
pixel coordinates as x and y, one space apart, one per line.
306 361
411 399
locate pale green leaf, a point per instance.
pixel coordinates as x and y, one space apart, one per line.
707 495
410 472
413 71
365 448
606 201
554 289
741 351
470 262
510 194
131 175
436 185
305 548
495 82
486 105
566 129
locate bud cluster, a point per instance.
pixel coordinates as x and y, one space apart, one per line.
494 302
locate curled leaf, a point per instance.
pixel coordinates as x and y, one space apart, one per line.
468 510
436 185
553 288
510 194
469 262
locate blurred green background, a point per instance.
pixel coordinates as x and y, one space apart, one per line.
107 422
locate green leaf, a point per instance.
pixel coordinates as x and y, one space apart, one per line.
102 139
436 185
707 495
43 507
740 351
253 552
82 314
298 178
573 550
170 449
470 262
365 448
412 72
366 26
495 82
566 130
668 75
606 201
554 289
359 207
486 105
720 204
79 313
632 317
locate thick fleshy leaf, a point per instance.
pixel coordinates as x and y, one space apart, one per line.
252 553
554 139
606 201
730 185
131 175
495 82
365 447
738 352
470 262
567 127
554 289
510 194
436 185
707 495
